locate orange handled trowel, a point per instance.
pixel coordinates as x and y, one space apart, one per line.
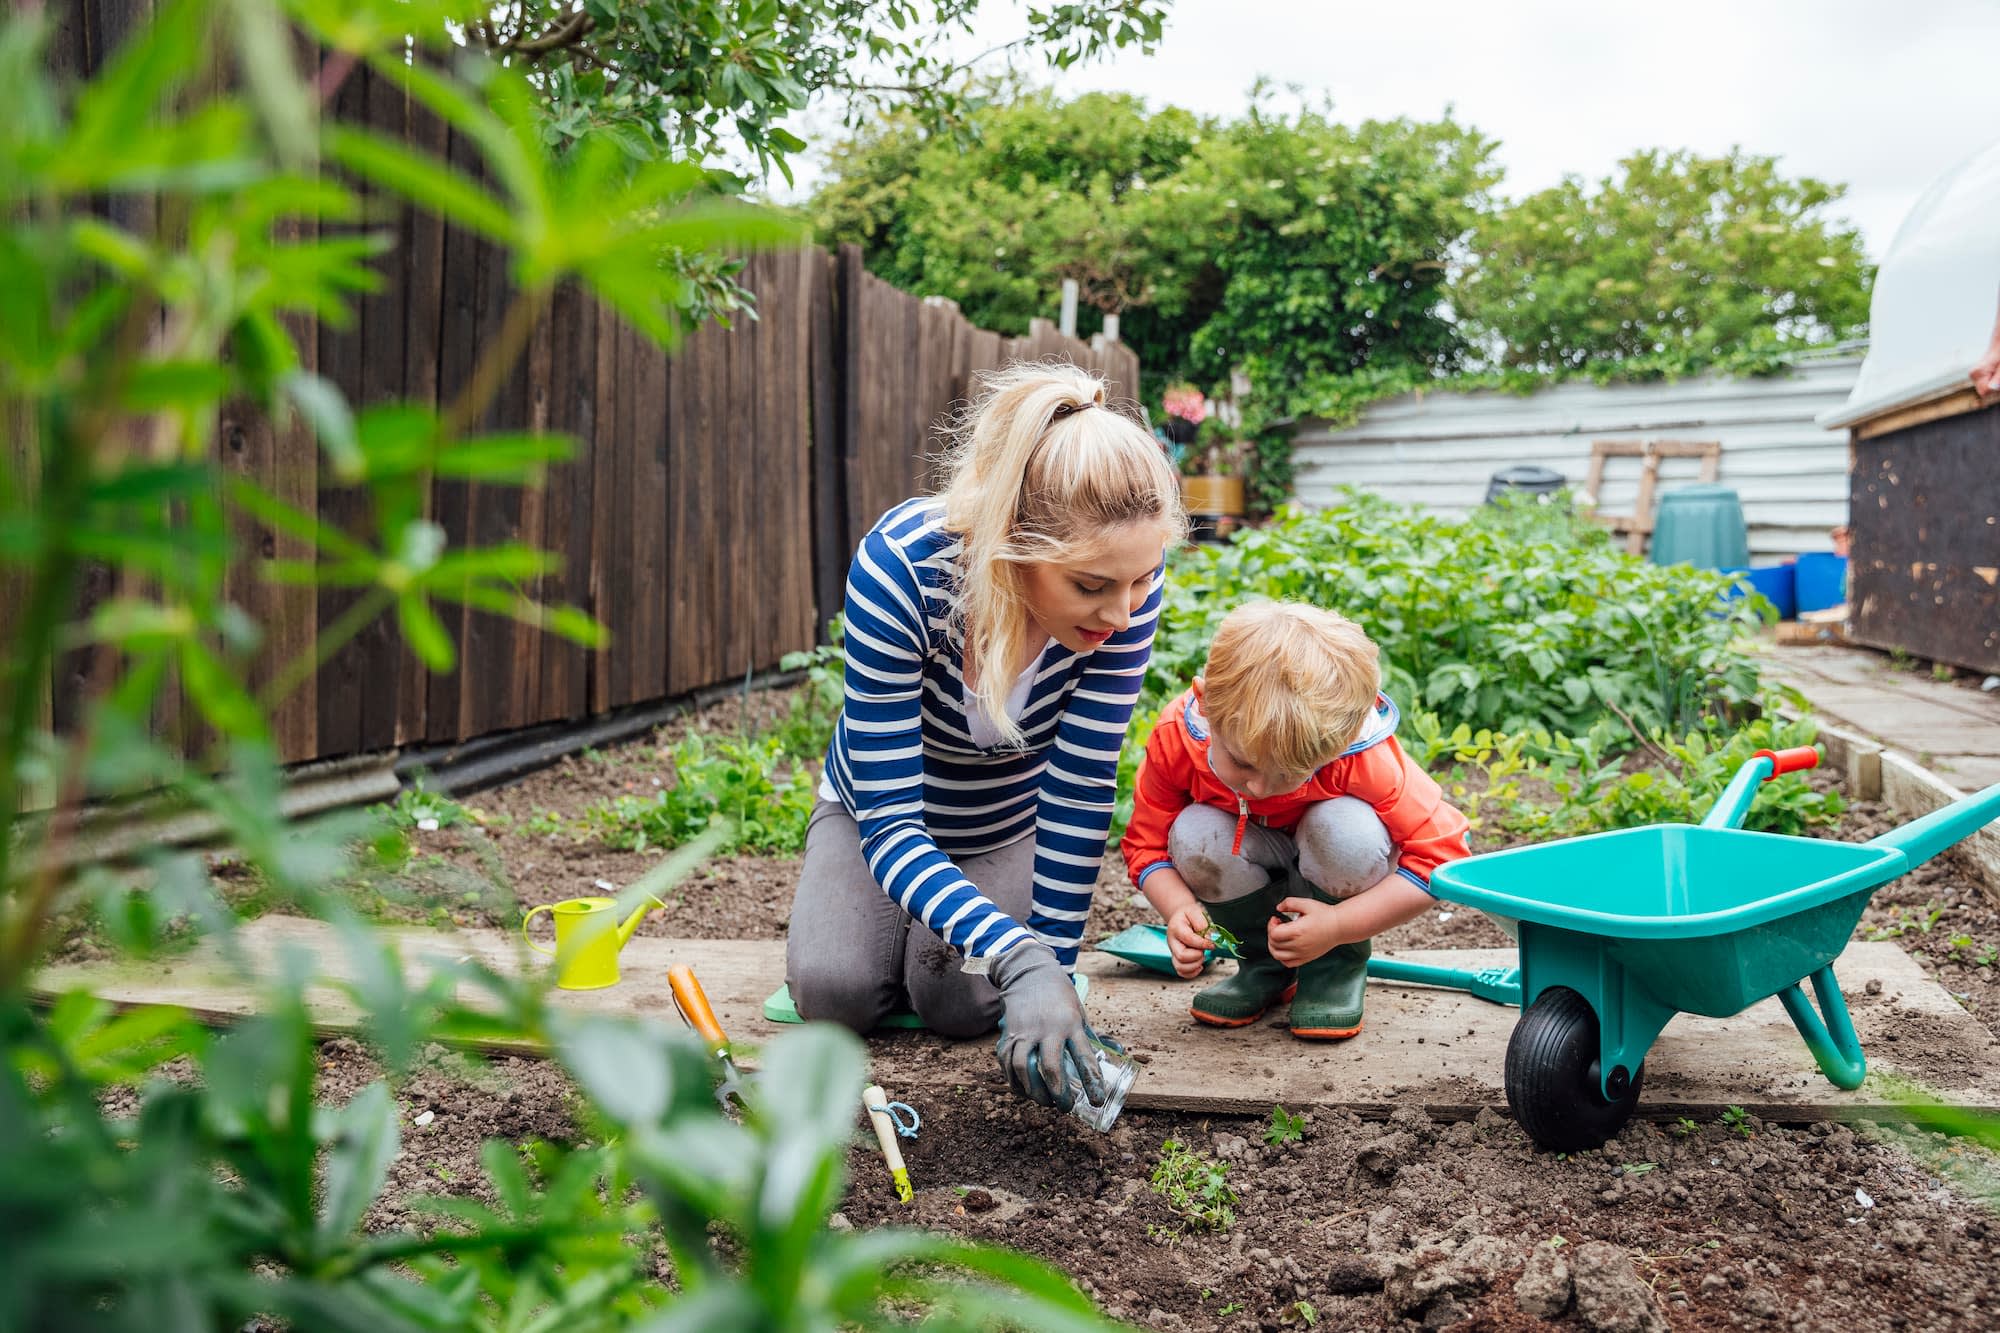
693 1004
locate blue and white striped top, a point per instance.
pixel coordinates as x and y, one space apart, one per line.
905 765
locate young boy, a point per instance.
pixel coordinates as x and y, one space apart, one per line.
1274 801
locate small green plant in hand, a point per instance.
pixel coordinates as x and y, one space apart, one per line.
1284 1127
1195 1187
1224 940
1737 1121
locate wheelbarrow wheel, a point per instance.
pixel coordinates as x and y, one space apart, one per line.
1553 1083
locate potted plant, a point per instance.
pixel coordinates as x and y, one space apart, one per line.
1186 409
1212 472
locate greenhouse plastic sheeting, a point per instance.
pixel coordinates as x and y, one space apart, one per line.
1935 296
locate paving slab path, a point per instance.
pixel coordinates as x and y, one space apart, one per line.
1948 728
1439 1049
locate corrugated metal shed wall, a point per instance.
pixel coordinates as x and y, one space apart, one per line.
1440 452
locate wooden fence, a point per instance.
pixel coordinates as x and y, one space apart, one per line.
708 519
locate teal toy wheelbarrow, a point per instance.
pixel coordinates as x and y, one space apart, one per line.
1619 932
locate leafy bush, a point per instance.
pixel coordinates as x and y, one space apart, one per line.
220 1190
1195 1187
1586 784
238 1195
1477 623
716 783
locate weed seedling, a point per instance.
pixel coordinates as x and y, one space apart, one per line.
1195 1187
1737 1121
1284 1127
1685 1127
1305 1312
1232 1308
1900 924
1225 940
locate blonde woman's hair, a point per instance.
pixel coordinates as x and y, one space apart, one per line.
1040 468
1289 686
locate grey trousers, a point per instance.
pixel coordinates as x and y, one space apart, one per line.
1340 847
853 955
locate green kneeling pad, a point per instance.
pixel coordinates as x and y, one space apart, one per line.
780 1009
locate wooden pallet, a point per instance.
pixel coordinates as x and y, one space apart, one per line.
1637 526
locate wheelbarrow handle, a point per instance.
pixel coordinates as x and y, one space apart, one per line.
1759 768
693 1004
1789 761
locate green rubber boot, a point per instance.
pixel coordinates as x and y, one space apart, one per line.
1261 980
1331 991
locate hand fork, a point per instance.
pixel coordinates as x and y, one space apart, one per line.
693 1004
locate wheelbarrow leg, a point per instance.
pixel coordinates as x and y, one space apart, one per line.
1833 1044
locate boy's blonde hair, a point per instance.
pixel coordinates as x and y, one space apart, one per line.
1288 685
1040 469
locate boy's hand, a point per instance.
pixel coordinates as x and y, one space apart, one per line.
1313 929
1187 939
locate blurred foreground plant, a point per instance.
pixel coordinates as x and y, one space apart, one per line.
203 1193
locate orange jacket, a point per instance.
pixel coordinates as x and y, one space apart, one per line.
1174 774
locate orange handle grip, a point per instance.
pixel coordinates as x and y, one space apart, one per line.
693 1004
1790 761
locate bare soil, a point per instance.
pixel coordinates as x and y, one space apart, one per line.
1402 1224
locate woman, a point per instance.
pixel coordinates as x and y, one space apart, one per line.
997 635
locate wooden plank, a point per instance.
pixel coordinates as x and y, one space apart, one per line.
102 27
740 579
524 696
650 521
792 398
566 517
604 370
1438 1049
365 362
459 338
615 438
693 660
284 462
492 645
832 544
422 241
1956 403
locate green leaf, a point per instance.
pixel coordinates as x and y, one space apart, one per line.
185 385
626 1069
812 1082
358 1165
425 633
426 181
322 404
521 459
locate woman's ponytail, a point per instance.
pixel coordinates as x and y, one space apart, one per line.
1040 467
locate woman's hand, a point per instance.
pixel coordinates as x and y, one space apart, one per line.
1187 939
1042 1018
1313 929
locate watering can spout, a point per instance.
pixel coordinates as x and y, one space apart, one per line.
631 923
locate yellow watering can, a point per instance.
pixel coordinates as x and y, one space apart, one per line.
588 938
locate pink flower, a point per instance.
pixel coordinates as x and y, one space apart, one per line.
1185 401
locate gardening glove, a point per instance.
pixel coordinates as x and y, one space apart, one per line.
1042 1019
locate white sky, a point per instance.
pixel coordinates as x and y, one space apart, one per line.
1882 96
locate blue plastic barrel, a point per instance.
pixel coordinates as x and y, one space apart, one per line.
1822 580
1778 583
